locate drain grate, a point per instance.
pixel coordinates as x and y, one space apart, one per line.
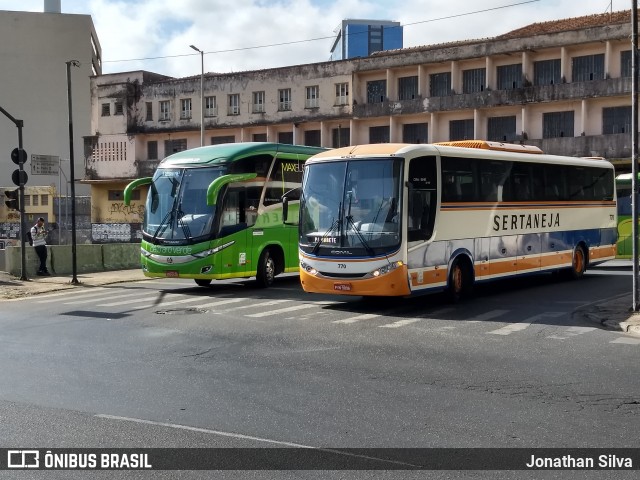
181 311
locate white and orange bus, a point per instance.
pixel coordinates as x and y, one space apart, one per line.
400 219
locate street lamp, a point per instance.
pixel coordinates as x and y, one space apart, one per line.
201 94
74 262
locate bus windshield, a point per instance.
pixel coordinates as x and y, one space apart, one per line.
176 208
351 206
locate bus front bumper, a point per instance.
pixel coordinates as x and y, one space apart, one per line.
392 284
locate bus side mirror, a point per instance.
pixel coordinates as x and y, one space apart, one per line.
285 209
291 195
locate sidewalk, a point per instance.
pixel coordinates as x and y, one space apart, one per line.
614 314
13 287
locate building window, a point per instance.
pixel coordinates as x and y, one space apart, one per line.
106 110
149 110
165 110
44 200
379 134
461 130
415 133
210 109
36 200
587 68
510 76
440 84
152 150
376 91
474 80
501 129
119 109
118 195
342 93
233 107
185 108
258 104
340 137
375 38
625 63
408 88
27 200
284 100
557 124
616 120
285 137
174 146
259 137
313 97
547 72
222 139
312 138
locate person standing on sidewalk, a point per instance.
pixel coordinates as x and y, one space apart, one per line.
39 236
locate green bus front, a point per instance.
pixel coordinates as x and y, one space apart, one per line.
625 220
215 213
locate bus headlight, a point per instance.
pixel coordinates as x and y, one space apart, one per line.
386 268
308 268
204 253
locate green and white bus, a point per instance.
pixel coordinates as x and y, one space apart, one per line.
625 221
215 212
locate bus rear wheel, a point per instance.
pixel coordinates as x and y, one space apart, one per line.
203 282
578 263
460 282
266 270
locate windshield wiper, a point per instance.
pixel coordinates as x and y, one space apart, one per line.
162 226
351 223
185 228
334 224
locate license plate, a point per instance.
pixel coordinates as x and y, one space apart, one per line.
342 287
172 273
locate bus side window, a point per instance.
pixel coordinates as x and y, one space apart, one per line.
420 216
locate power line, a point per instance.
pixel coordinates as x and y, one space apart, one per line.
293 42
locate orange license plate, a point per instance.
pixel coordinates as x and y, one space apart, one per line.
172 273
342 287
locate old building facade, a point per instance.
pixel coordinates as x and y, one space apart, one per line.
563 86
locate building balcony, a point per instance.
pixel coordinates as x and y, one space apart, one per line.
616 148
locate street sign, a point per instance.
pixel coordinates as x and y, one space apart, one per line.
44 164
19 177
18 156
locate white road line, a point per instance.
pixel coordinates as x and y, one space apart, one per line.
224 301
572 332
263 304
70 291
516 327
282 310
247 437
88 300
126 302
400 323
358 318
626 340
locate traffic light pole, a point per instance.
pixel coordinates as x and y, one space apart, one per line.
23 254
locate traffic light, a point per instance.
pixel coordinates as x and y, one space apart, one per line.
13 199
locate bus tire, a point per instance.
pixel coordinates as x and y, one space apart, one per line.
460 281
266 269
203 282
578 263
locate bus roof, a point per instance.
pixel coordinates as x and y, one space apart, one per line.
230 152
469 149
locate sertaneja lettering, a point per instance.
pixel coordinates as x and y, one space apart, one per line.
525 221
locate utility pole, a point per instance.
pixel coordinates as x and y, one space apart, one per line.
74 256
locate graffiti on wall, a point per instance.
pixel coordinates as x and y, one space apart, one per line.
119 208
116 232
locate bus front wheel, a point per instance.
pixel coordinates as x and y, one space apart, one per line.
203 282
460 281
266 269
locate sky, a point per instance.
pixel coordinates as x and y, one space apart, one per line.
241 35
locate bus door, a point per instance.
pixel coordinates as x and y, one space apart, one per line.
233 230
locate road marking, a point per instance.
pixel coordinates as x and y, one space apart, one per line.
483 317
248 437
626 340
516 327
126 302
88 300
263 304
400 323
68 291
282 310
572 332
358 318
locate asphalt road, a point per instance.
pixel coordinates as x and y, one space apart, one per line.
165 363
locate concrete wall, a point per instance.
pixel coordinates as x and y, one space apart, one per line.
89 258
